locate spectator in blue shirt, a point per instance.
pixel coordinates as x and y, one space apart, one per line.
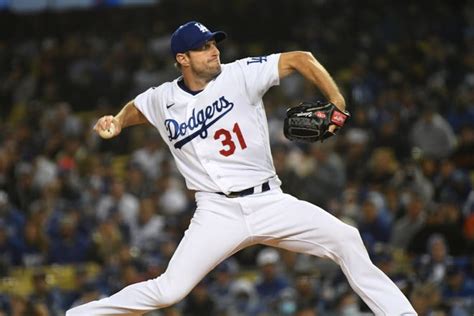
372 225
271 283
44 294
458 289
71 247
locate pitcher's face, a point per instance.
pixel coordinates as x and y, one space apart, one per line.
205 61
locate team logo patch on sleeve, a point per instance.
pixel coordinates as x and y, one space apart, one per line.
257 60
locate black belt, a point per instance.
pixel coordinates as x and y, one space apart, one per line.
265 187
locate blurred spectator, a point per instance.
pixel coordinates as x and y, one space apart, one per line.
106 241
462 156
451 184
150 156
199 303
388 136
327 177
432 266
244 299
458 292
71 246
146 76
393 203
148 228
137 183
295 264
153 266
23 192
351 207
173 200
270 283
421 301
407 226
68 161
71 125
120 269
119 205
38 308
224 278
129 274
392 264
306 293
347 304
432 134
286 303
33 245
409 178
167 247
82 283
88 292
18 305
382 166
46 295
9 253
372 225
441 219
94 183
429 168
357 151
45 171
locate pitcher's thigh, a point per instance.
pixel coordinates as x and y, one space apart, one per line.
303 227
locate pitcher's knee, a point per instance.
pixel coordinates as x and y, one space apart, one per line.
348 235
170 294
171 298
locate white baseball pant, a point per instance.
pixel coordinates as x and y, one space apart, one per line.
222 226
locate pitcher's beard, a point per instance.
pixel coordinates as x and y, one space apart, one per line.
208 74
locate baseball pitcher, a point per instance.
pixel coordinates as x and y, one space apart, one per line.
212 118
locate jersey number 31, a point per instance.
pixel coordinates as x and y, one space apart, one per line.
226 137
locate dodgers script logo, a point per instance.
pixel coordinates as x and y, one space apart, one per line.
199 121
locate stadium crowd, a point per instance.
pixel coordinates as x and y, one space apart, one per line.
401 171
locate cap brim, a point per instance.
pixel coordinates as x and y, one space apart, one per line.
217 36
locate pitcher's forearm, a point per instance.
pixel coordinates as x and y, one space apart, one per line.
130 115
306 64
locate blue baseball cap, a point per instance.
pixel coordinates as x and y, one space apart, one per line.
192 35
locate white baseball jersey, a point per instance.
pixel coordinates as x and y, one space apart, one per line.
218 137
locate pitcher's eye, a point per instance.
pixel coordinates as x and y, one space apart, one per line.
198 49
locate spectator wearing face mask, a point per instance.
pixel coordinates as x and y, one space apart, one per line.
244 299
